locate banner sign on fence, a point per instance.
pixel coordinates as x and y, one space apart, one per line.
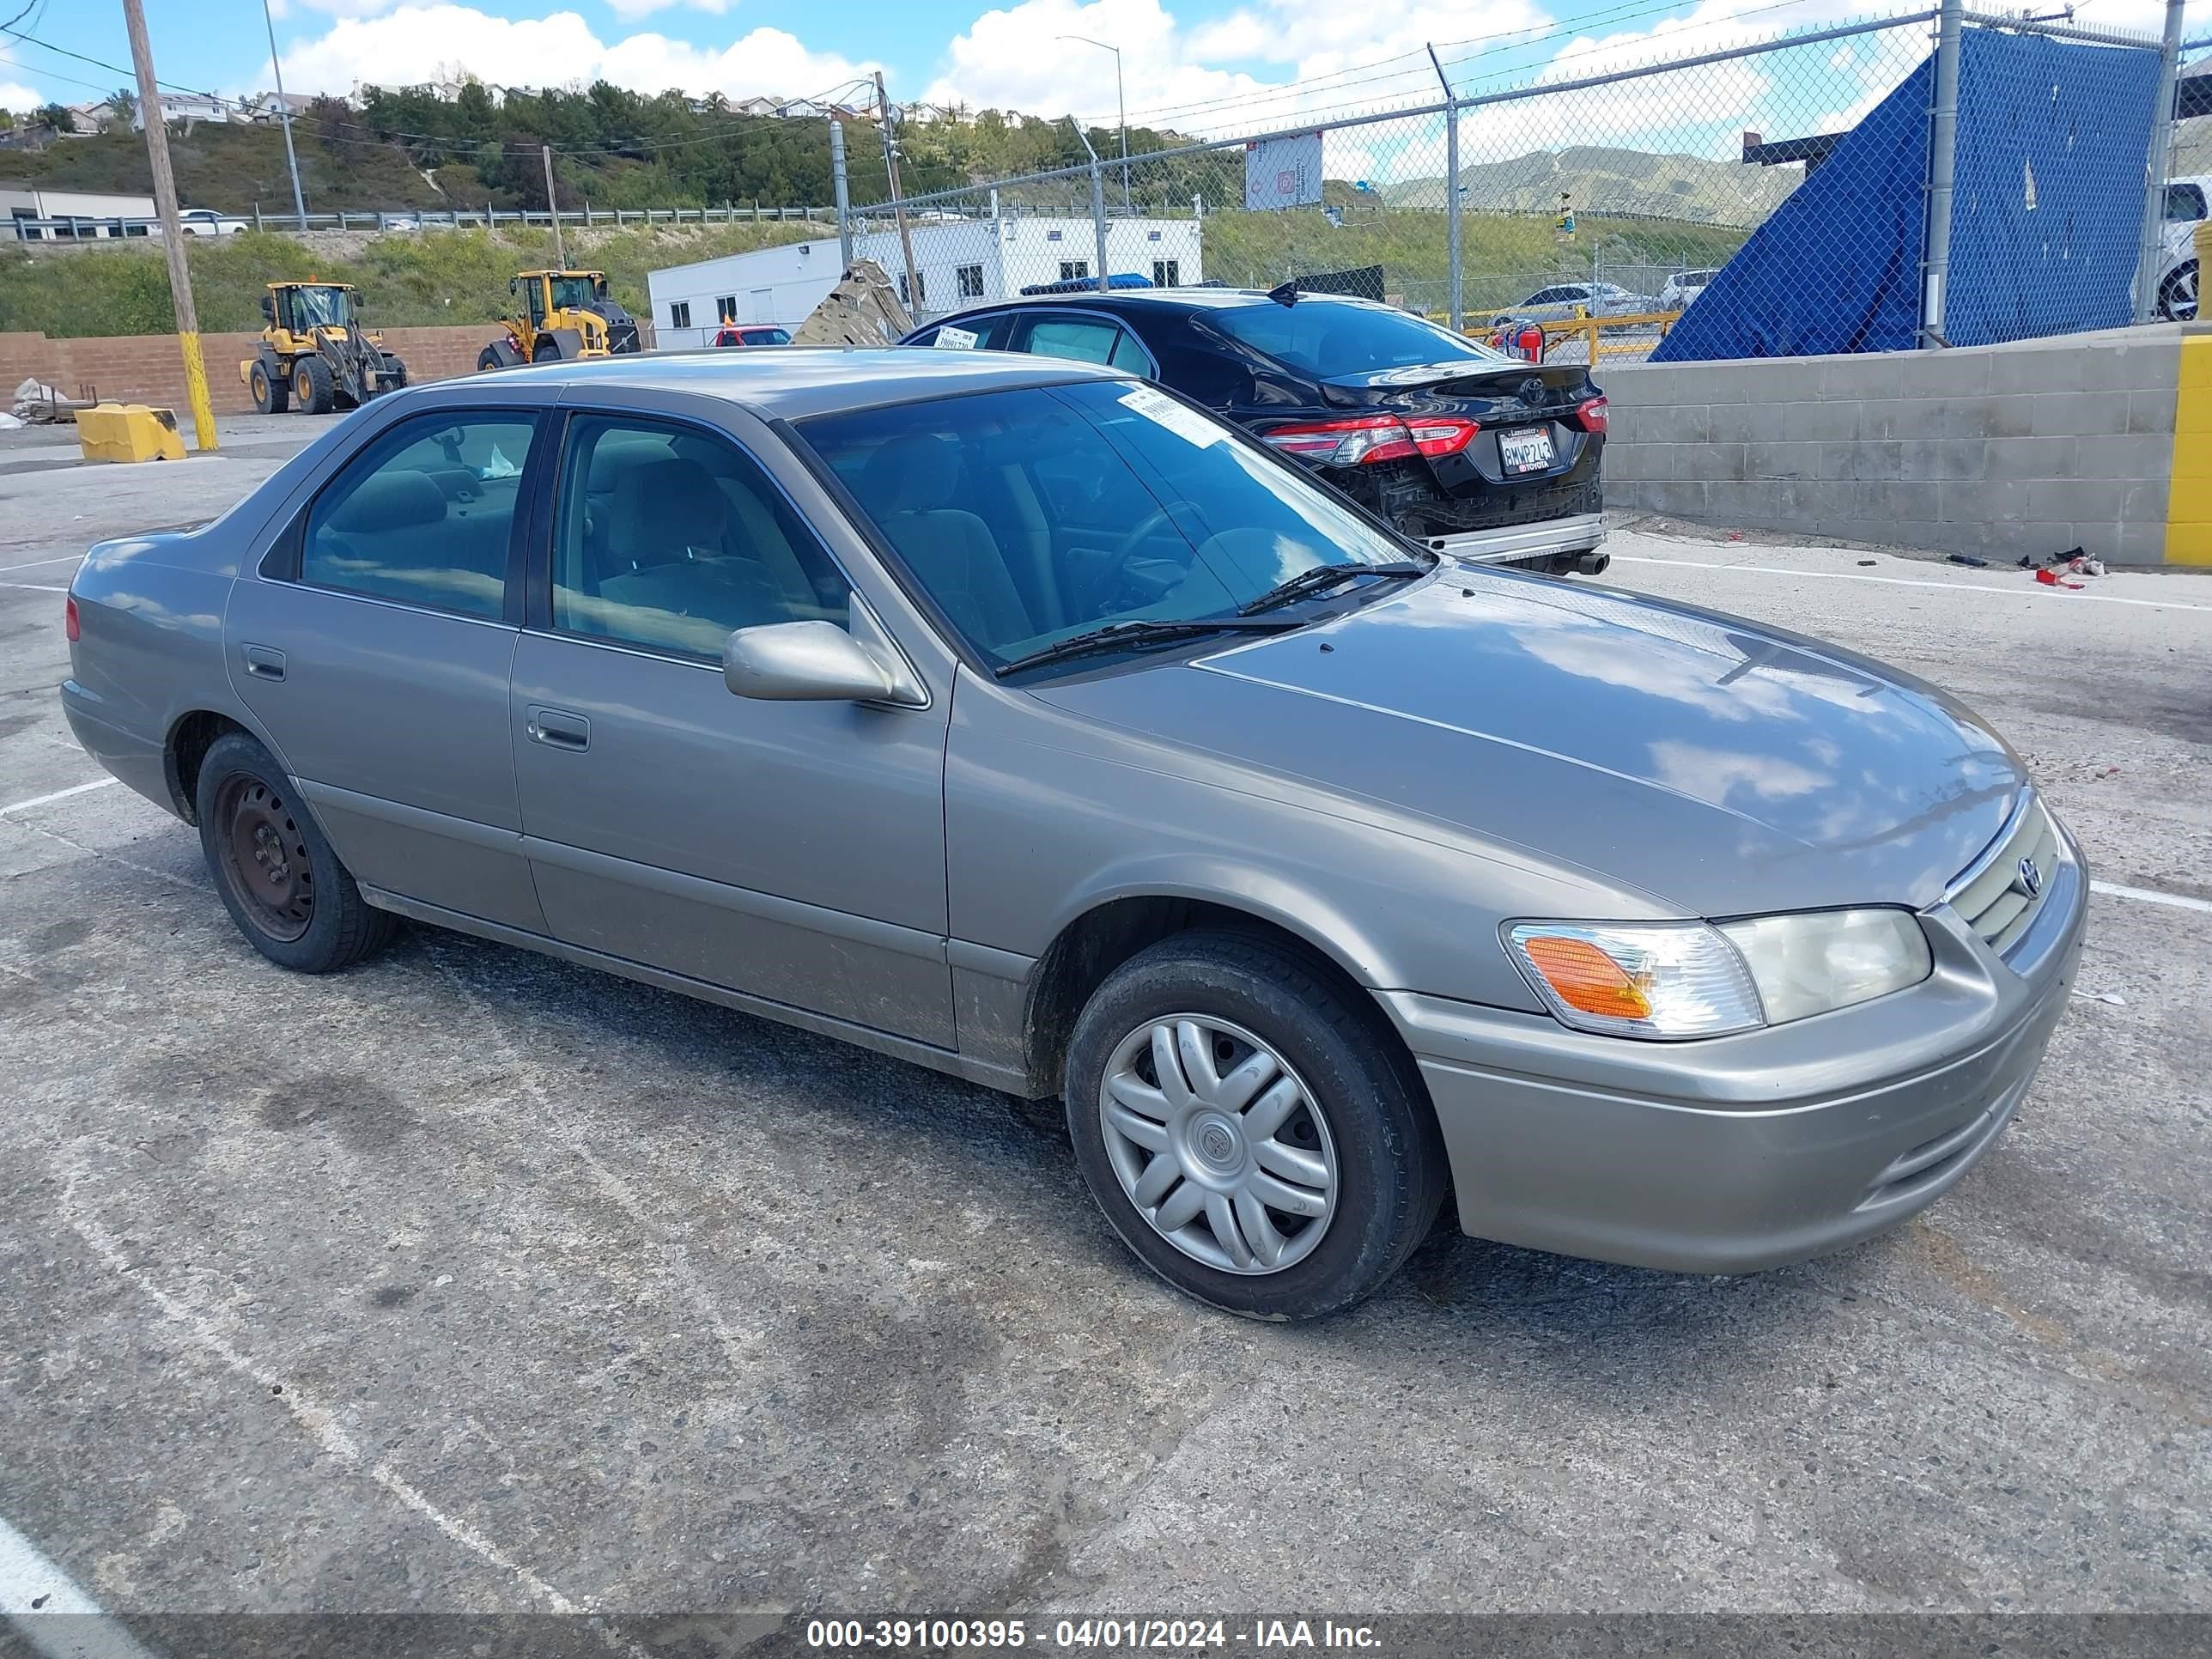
1283 173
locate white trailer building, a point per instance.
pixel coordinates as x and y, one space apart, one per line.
957 263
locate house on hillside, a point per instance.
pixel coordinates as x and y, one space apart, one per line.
95 115
267 108
758 107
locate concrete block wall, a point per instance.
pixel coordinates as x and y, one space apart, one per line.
149 368
2030 447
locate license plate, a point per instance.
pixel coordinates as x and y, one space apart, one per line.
1526 449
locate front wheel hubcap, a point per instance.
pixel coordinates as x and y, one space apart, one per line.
1218 1145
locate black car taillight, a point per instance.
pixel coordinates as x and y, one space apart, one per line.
1595 417
1362 439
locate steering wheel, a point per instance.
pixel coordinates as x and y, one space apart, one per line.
1131 587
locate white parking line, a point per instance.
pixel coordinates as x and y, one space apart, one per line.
2029 592
58 794
35 588
2151 895
33 564
55 1616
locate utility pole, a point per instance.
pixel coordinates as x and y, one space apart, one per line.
1121 111
173 230
898 208
553 206
844 193
284 109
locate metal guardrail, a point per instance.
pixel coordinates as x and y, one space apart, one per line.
82 227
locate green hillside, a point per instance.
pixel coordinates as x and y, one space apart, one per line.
426 279
1601 179
231 168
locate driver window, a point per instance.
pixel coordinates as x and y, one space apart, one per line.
537 302
668 537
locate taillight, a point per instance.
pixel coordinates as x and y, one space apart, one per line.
1362 440
69 619
1594 415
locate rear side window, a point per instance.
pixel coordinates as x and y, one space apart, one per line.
1085 340
424 515
1326 338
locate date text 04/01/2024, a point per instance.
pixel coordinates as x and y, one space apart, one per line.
1161 1635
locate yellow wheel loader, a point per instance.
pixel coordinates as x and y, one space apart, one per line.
314 353
560 316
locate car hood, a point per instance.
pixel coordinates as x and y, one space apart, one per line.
1714 767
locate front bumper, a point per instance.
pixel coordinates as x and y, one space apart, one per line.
1737 1154
1577 533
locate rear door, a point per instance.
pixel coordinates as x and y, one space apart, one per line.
373 641
791 851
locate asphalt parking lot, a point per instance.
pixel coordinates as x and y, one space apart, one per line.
470 1280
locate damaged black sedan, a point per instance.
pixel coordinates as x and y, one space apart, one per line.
1476 455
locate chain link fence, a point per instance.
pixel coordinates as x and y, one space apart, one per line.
1796 180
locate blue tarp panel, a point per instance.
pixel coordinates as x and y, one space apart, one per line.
1837 266
2045 214
2075 120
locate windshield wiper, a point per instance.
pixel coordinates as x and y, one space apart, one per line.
1137 630
1320 579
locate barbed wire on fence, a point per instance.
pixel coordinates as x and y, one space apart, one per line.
1598 187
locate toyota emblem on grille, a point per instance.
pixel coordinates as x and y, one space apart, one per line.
2029 881
1532 391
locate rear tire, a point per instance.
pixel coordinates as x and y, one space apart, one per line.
312 386
488 359
271 395
278 878
1359 1162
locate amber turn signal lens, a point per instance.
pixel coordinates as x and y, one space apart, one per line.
1587 979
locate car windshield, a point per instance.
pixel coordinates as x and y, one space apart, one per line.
1033 515
571 293
321 307
1329 338
767 337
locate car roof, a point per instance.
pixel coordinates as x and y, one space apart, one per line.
796 381
1153 299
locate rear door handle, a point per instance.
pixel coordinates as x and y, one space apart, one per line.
263 662
559 729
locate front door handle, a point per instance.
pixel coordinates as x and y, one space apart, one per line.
558 729
263 662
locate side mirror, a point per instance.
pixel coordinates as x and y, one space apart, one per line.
513 285
812 662
267 309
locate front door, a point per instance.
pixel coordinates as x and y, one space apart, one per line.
793 851
374 644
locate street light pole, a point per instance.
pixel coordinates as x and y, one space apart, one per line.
284 110
1120 108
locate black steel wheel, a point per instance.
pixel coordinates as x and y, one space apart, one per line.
265 862
277 873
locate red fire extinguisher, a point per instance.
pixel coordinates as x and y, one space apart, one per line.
1522 340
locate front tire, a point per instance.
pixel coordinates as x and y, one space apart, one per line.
547 350
279 879
311 386
1248 1130
2176 294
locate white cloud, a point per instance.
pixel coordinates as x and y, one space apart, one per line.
418 44
1014 58
630 9
16 94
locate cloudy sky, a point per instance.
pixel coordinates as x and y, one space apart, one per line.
1198 66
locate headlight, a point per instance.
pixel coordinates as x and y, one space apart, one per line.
1689 979
1808 964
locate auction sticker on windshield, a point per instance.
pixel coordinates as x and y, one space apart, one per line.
955 339
1183 423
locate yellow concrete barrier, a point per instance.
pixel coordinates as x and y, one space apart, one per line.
129 432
